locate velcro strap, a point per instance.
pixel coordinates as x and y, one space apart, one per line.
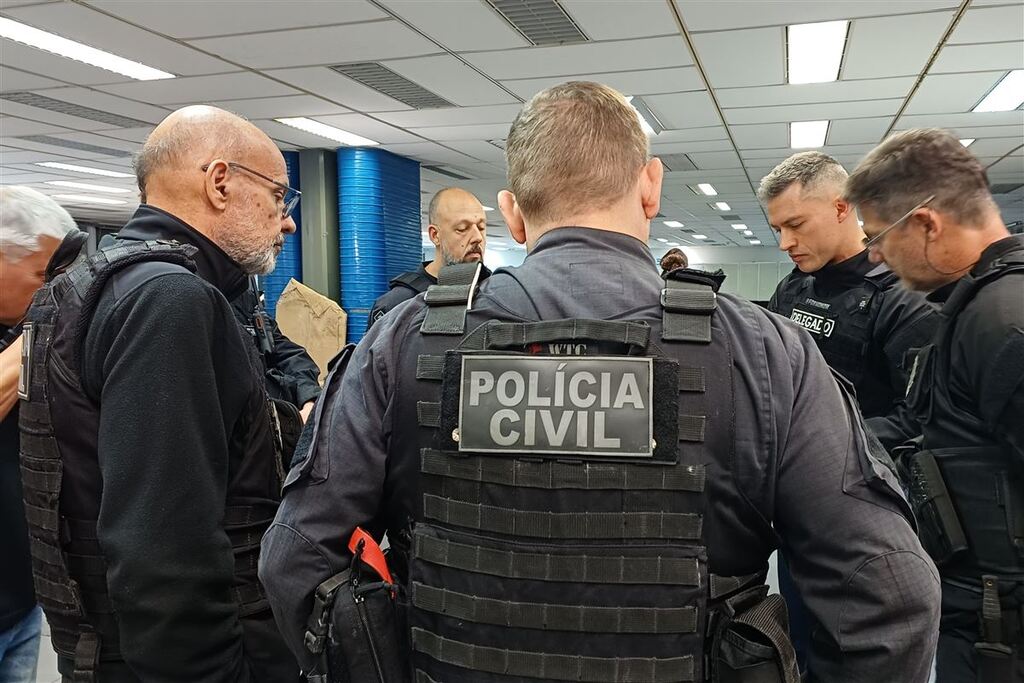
41 480
691 428
551 667
428 413
58 596
542 524
724 585
507 335
692 380
250 598
87 658
617 569
769 618
688 307
459 274
682 299
555 475
44 518
40 446
46 551
550 617
448 320
449 300
429 367
443 295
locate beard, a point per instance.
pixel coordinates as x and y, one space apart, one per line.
252 257
450 259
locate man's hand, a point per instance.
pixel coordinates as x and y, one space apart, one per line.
10 367
306 411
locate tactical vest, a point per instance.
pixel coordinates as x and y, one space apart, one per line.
61 478
842 326
559 534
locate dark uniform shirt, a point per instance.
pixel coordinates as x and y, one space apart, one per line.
402 288
875 355
857 559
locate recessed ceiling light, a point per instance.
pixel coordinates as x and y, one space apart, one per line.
707 188
88 186
488 208
673 244
816 51
673 224
807 134
329 132
84 169
648 121
748 233
49 42
739 226
700 237
966 142
755 242
1006 96
89 200
661 239
722 206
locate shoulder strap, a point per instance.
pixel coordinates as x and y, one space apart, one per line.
969 285
412 279
688 302
450 299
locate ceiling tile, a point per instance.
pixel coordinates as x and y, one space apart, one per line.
459 25
659 148
453 116
583 58
277 107
989 25
13 79
323 45
869 52
710 161
361 124
429 152
294 137
990 57
684 110
86 25
760 136
647 82
488 131
716 132
709 15
941 93
720 53
327 83
451 79
811 93
199 88
857 131
220 17
962 120
479 149
619 20
812 112
989 147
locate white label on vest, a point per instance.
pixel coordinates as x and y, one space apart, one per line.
588 406
25 377
815 324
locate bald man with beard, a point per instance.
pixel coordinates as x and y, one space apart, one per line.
152 400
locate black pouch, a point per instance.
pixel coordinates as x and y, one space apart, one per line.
750 641
939 526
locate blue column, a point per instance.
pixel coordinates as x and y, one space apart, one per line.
378 226
289 261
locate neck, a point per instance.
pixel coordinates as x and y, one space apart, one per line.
853 241
185 213
622 222
433 268
977 240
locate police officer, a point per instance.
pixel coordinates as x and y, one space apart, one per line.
458 229
867 327
928 210
149 454
553 467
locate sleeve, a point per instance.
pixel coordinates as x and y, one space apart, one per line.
845 529
301 374
335 487
162 358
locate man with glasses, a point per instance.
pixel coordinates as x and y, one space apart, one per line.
144 393
927 206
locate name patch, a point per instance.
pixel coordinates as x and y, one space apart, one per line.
813 323
590 405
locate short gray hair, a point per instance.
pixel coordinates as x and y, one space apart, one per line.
26 215
811 169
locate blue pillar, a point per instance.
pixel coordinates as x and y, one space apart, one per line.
378 226
289 261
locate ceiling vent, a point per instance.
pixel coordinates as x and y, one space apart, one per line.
72 144
730 217
384 80
542 22
445 172
500 144
61 107
677 162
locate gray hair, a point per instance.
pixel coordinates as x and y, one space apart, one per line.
909 166
812 170
26 215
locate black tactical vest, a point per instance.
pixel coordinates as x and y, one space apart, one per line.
985 485
61 477
842 327
561 496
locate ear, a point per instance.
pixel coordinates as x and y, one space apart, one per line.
932 221
651 177
843 209
434 234
216 184
513 216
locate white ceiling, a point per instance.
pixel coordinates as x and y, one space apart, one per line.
267 60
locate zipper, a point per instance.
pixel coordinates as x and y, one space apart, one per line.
364 619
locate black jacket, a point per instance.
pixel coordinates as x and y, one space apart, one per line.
404 287
184 431
795 431
868 327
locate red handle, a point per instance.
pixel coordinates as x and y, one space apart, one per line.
372 555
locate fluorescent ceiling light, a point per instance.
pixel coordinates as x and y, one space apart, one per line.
49 42
748 233
88 186
722 206
700 237
661 239
966 142
807 134
673 224
816 51
329 132
755 242
89 200
488 208
1006 96
673 244
648 121
739 226
84 169
708 189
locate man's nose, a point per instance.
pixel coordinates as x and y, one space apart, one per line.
288 225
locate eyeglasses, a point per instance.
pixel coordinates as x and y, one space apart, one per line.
288 201
874 241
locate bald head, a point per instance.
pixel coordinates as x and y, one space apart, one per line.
458 228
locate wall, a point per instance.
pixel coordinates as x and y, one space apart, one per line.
751 272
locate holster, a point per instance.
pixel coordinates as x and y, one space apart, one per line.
358 630
939 527
748 636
